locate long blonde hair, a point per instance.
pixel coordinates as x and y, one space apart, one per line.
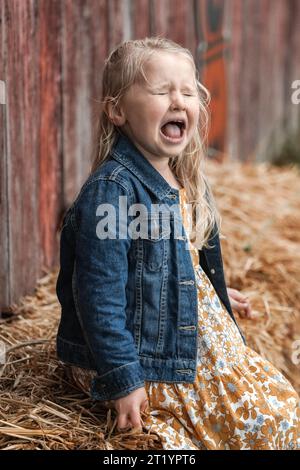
122 68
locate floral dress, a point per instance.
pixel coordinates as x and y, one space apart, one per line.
238 400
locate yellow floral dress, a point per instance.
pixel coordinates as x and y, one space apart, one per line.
238 401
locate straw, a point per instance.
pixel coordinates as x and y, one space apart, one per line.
260 206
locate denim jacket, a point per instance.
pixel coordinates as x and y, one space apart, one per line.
129 306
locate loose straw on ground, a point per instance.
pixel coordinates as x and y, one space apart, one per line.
260 207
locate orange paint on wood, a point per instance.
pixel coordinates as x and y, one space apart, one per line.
213 72
50 148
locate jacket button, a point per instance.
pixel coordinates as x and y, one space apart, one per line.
212 271
187 283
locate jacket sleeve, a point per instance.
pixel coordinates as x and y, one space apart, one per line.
99 288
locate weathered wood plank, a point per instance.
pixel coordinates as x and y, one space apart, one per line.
4 251
181 24
115 19
22 128
160 17
141 18
260 98
254 20
52 55
265 59
294 73
33 139
233 14
85 35
49 153
210 59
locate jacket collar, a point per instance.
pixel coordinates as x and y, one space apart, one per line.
126 153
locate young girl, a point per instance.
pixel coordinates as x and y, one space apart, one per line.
147 324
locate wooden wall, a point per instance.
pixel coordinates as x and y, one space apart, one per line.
51 58
264 61
30 143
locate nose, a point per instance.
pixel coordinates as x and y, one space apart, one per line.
177 100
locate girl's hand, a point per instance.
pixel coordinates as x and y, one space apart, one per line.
239 302
129 409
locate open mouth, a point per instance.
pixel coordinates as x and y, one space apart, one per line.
173 130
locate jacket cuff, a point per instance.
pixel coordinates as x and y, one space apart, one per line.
118 383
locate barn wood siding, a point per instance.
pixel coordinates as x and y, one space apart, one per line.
52 54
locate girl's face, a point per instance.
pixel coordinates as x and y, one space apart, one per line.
171 94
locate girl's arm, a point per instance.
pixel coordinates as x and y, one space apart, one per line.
100 278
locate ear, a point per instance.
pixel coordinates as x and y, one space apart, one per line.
115 113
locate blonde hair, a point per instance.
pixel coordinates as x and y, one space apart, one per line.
122 68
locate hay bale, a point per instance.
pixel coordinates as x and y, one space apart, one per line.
260 208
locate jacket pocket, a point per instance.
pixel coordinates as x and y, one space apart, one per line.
153 251
153 243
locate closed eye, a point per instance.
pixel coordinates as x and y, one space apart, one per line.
185 94
166 93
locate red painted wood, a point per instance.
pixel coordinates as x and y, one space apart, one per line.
115 22
85 34
52 55
33 140
181 24
213 69
141 18
4 250
293 117
265 59
49 154
22 145
160 20
235 20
